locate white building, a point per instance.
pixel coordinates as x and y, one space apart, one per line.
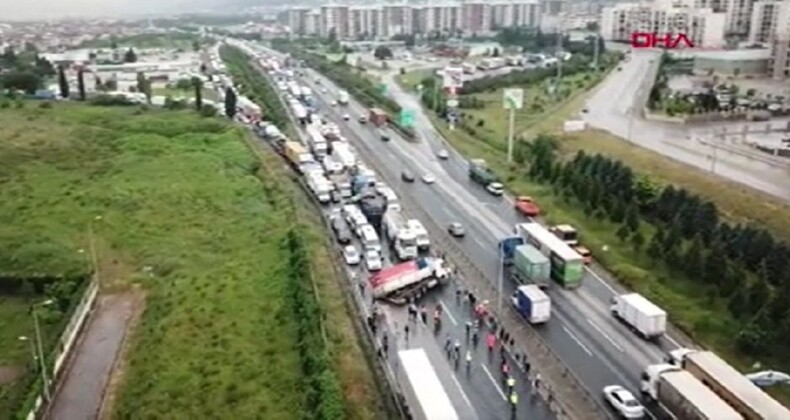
779 64
704 27
763 23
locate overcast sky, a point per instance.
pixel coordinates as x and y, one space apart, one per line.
52 9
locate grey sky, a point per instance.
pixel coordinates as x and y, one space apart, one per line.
52 9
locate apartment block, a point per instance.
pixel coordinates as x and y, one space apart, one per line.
779 63
764 19
704 27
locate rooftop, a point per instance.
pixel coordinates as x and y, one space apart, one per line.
734 55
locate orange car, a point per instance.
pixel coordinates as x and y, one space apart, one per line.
584 252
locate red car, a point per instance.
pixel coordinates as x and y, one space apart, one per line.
527 206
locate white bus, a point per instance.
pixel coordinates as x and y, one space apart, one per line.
567 266
419 380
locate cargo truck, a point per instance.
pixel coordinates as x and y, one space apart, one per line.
402 240
733 387
532 303
421 387
423 239
644 317
378 117
297 154
342 98
530 266
682 395
479 173
401 279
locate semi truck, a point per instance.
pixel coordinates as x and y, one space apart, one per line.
479 172
296 153
642 315
423 239
530 266
401 238
682 395
400 279
378 117
532 303
731 385
421 387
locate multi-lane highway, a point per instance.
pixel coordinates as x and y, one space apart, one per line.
597 348
477 392
623 118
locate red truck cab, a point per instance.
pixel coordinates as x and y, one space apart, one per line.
527 206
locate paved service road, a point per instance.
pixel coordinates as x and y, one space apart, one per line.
477 394
597 348
623 118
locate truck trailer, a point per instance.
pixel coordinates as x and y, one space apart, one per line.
647 319
683 396
428 272
532 303
530 266
479 172
401 238
296 153
424 393
423 239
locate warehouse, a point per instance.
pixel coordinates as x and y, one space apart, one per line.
733 63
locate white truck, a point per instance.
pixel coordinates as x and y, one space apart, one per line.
321 187
428 272
423 240
682 395
422 388
342 97
647 319
401 238
344 154
532 303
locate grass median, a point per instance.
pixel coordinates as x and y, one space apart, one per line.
185 213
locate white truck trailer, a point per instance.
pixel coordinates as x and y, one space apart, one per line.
647 319
424 393
423 240
683 396
532 303
401 238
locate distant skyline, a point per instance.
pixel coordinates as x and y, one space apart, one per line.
13 10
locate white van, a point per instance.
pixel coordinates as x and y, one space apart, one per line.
369 238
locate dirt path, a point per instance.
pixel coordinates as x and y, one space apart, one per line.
82 391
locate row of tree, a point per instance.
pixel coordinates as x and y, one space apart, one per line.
251 81
744 265
25 71
324 395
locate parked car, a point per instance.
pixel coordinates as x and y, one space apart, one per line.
351 255
624 402
456 229
373 260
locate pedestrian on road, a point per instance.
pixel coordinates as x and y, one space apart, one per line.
406 331
490 342
505 371
511 384
468 327
472 299
412 311
501 334
506 337
457 349
502 353
424 315
385 342
474 338
513 402
458 294
536 383
468 361
527 366
448 343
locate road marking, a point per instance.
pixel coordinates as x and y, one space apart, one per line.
605 335
605 284
574 338
672 340
496 385
447 311
463 394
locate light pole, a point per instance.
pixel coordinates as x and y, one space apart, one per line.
511 129
500 277
41 362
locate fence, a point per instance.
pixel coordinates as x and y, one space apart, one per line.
63 351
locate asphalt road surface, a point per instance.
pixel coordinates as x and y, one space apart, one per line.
476 393
600 350
82 391
622 117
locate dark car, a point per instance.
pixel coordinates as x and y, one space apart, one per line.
342 232
407 176
385 137
336 196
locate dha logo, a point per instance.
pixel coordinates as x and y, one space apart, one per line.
653 40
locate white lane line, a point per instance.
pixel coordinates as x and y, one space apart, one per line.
496 385
672 340
605 335
574 338
597 277
447 311
463 394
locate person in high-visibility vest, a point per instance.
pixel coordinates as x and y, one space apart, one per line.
511 384
513 401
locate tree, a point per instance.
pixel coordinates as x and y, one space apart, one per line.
230 103
638 240
654 248
382 53
495 52
81 83
694 259
63 84
195 45
632 218
130 56
114 42
622 233
144 85
198 84
26 81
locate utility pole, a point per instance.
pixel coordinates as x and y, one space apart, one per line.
596 41
500 275
559 63
511 129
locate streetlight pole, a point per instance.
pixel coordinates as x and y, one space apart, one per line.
511 129
500 278
40 345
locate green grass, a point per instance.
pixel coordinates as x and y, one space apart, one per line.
704 318
184 214
208 94
171 40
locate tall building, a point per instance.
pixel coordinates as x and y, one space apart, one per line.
779 64
763 23
476 17
334 19
704 27
739 15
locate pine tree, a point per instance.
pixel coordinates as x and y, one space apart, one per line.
198 84
63 83
638 240
230 103
622 233
81 84
694 259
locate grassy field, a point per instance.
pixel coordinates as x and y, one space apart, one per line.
184 214
689 306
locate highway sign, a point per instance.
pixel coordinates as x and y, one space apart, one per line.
406 118
452 103
513 98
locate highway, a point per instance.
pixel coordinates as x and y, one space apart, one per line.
623 118
477 393
597 348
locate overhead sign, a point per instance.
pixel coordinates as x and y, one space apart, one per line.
382 88
406 118
513 98
452 103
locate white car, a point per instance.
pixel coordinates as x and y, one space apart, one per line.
373 260
624 402
496 188
346 117
351 255
428 178
442 154
333 103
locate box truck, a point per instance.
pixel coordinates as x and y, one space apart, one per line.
532 303
530 266
647 319
682 395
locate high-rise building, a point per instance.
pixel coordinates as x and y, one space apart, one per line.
779 64
704 27
763 23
